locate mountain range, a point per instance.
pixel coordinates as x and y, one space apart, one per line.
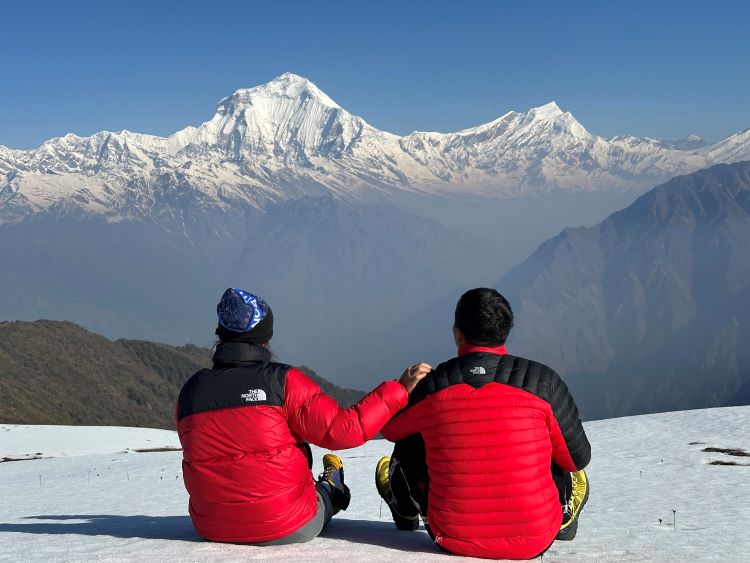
362 240
287 139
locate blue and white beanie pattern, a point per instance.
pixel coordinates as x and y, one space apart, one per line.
240 311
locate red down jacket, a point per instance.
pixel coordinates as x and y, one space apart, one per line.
492 424
242 425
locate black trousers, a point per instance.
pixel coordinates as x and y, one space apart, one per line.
413 484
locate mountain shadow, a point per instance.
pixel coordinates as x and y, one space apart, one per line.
650 309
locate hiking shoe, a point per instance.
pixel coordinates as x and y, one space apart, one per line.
405 514
572 509
333 477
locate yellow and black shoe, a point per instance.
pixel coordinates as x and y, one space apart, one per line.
403 510
572 510
333 477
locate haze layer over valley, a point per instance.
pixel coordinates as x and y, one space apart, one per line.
360 239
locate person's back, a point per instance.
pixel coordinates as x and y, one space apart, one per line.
246 471
501 436
244 425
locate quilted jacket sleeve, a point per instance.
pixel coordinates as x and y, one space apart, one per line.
570 446
410 421
317 417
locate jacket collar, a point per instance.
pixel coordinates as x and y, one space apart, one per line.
240 353
472 349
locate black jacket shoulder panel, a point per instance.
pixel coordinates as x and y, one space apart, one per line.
481 368
248 385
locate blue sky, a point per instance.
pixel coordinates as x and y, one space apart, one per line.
660 69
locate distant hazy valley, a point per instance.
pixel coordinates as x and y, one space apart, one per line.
362 241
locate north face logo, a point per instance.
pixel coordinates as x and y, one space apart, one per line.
254 395
477 371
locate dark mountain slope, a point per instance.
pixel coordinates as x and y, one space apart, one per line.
55 372
650 309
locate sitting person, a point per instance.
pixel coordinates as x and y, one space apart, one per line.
490 450
244 427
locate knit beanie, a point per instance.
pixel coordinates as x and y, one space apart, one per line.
244 316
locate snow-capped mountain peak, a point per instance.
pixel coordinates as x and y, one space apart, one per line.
288 117
547 111
554 123
535 123
287 85
285 90
287 138
732 149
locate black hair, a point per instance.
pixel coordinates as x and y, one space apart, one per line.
484 317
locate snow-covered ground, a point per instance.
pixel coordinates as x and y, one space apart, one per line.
647 472
34 442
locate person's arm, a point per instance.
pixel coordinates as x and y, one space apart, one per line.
410 421
570 446
317 417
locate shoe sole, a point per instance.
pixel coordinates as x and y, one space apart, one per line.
381 492
344 504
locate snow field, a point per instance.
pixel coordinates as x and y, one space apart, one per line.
125 506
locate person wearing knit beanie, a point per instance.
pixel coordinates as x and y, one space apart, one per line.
245 426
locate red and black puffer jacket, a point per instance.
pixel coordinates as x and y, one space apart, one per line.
243 425
492 425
